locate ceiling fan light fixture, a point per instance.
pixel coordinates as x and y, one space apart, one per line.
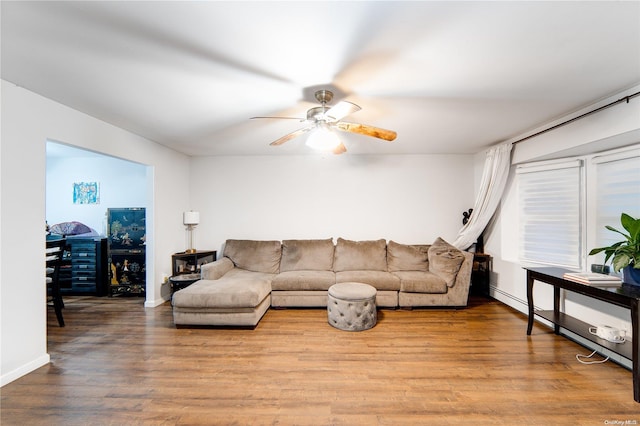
323 139
322 121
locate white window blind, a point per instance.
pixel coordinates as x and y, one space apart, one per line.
551 218
617 192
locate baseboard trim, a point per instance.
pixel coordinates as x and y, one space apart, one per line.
24 369
154 303
509 299
516 303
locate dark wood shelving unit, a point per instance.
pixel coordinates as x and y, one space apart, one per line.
190 263
84 267
481 274
581 328
126 230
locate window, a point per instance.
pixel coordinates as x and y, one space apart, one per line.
617 186
553 197
551 218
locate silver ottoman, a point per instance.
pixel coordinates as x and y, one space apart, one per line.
352 306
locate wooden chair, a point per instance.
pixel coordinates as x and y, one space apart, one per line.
54 252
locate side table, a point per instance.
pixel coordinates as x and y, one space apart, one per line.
189 263
178 282
481 274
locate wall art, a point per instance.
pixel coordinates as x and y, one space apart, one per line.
86 193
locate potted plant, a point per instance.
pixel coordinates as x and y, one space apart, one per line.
625 253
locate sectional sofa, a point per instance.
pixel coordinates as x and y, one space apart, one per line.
251 276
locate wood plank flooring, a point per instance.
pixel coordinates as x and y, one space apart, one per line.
117 363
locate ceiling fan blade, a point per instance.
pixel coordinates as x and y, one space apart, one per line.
291 135
342 109
281 118
340 149
363 129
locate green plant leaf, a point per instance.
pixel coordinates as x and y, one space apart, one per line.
626 252
627 221
620 260
632 225
611 228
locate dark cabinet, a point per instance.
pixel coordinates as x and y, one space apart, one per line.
84 267
126 228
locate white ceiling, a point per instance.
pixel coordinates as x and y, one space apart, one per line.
449 77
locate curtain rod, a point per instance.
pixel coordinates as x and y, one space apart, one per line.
624 99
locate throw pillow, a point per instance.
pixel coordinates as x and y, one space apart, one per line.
445 260
402 257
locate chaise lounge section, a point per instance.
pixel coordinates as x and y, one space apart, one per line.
238 289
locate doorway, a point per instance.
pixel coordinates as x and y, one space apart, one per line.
112 182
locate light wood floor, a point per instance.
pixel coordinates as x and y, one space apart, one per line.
118 363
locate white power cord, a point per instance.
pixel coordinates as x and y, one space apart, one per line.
580 359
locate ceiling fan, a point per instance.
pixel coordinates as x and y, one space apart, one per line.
322 120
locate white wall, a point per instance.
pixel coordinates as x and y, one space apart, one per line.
410 199
122 184
616 126
28 121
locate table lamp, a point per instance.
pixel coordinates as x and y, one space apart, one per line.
190 220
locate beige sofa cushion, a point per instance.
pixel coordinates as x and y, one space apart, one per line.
217 269
381 280
257 256
403 257
303 280
237 289
360 255
445 260
309 255
421 282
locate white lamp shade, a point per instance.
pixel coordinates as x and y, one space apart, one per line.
323 139
191 218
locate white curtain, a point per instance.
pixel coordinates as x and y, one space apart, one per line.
494 178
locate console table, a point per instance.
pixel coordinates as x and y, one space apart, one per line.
626 295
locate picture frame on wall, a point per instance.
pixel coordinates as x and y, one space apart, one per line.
86 193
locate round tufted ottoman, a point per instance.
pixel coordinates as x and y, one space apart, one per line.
352 306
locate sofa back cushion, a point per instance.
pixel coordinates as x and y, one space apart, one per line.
307 255
360 255
403 257
257 256
445 260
